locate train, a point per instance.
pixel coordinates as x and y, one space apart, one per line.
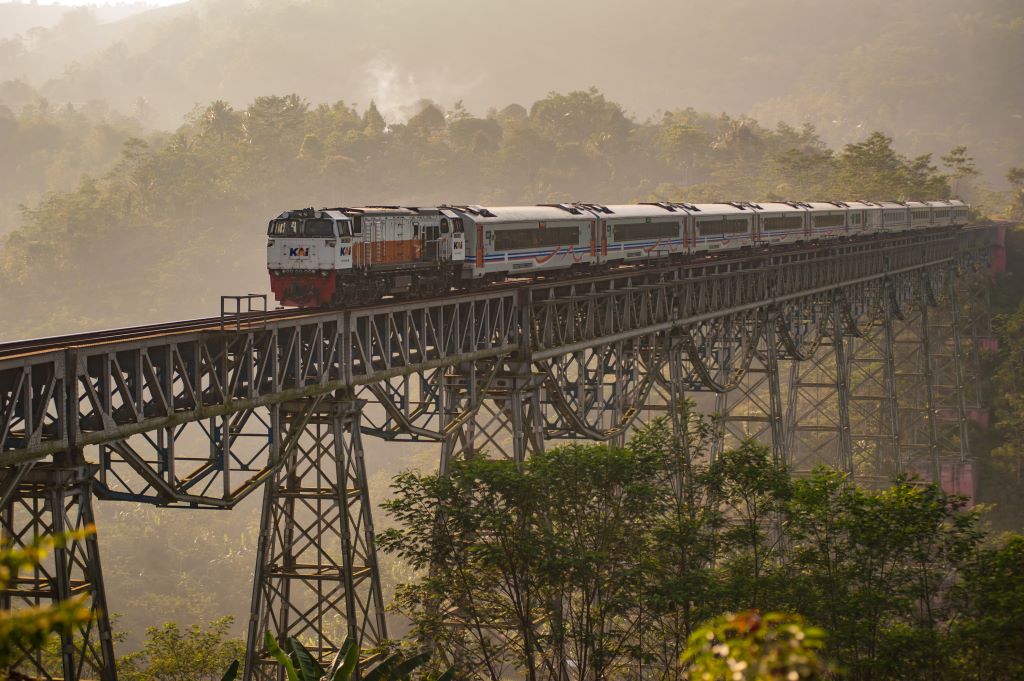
344 256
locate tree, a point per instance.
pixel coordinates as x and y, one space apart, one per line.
540 565
685 538
990 600
874 566
373 122
1016 178
219 120
171 653
962 168
751 490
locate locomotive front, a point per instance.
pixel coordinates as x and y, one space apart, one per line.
306 249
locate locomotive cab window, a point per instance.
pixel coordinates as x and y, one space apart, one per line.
318 228
283 228
444 226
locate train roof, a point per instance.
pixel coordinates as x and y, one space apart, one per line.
641 210
706 209
489 214
891 204
781 207
827 205
863 205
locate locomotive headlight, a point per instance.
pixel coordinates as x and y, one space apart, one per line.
270 242
331 243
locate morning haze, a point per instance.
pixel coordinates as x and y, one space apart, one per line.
145 148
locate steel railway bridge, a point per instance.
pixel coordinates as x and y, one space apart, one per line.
863 355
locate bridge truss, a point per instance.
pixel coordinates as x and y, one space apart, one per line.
863 355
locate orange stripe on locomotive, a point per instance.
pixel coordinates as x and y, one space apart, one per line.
387 252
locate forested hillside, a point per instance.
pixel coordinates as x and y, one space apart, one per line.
935 73
179 218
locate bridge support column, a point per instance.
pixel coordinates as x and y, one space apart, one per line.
316 575
753 410
915 383
46 500
492 409
977 324
874 413
951 409
819 413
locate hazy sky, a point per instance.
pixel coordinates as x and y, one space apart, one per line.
105 2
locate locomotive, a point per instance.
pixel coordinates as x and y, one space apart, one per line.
339 256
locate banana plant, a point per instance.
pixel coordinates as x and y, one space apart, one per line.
300 665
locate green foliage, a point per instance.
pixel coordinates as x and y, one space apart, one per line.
991 597
232 672
1002 463
173 653
609 560
748 646
300 665
30 629
1015 176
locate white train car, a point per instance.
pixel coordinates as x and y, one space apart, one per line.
781 223
829 220
960 212
942 213
632 232
507 239
722 226
920 215
895 216
865 217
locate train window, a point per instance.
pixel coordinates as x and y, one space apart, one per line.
854 218
444 225
632 231
318 228
717 226
533 237
284 228
783 223
942 213
829 220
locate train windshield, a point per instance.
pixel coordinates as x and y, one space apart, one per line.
318 228
312 228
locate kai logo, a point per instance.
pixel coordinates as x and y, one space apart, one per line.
298 252
346 251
